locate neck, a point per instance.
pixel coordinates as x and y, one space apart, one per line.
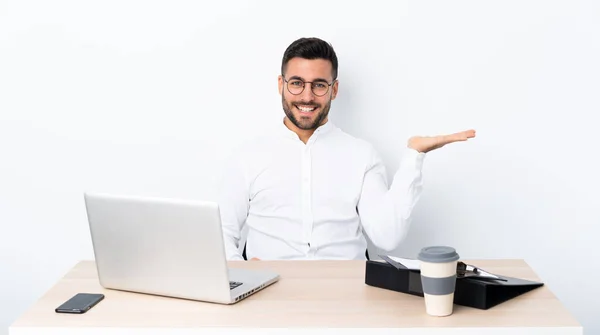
303 134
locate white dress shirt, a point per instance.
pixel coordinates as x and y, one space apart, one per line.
314 200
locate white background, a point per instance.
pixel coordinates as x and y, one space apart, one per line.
148 97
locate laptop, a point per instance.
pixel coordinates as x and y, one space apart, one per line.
166 247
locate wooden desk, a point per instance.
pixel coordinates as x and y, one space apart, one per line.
322 295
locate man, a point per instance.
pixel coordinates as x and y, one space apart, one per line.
310 190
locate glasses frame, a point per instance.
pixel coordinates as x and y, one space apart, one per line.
286 81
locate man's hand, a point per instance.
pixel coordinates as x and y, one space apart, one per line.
428 143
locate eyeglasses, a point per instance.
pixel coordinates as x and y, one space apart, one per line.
318 87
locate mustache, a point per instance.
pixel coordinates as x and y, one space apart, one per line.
309 104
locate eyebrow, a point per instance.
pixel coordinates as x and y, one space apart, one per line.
298 77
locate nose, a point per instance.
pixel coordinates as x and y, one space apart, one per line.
307 95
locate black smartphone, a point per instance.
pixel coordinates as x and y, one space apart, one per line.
80 303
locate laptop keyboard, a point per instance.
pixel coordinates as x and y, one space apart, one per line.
234 284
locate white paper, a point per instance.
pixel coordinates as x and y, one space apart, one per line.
412 264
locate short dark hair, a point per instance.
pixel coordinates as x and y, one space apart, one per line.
310 48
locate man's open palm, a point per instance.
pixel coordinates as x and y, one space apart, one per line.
428 143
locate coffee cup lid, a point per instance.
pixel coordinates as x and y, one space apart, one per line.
438 254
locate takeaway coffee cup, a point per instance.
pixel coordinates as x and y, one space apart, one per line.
438 278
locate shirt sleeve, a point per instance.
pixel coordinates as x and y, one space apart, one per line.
385 213
233 204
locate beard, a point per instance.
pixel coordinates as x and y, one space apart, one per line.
305 122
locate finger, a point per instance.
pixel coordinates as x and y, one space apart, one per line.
458 137
470 133
461 136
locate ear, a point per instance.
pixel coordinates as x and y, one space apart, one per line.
334 89
280 84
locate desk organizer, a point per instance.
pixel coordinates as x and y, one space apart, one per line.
471 292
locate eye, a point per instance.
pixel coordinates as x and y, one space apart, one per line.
320 85
297 83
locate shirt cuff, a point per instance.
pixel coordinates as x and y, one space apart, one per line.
412 159
236 257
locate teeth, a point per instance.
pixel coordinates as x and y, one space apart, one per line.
306 109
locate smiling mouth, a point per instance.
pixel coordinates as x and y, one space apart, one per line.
305 109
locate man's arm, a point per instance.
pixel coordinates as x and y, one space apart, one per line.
233 204
386 213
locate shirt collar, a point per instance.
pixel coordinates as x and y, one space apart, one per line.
323 129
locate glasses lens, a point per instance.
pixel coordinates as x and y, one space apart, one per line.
295 86
320 88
